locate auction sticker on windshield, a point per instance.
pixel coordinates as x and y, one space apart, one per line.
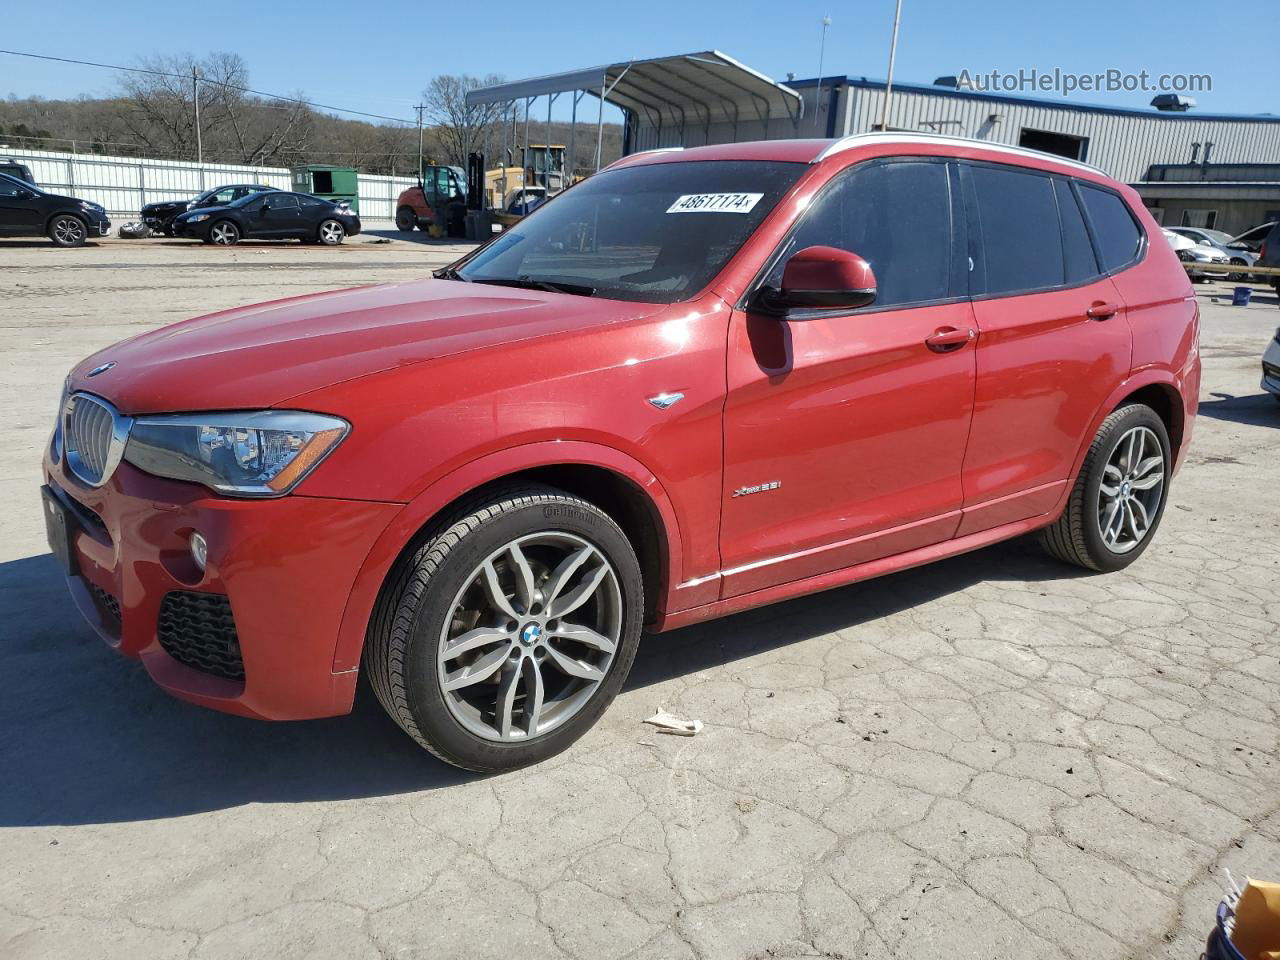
715 203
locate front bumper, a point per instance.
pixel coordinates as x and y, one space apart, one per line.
1271 368
286 566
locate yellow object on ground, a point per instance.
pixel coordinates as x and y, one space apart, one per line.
1257 929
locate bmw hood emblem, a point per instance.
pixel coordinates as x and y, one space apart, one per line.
102 368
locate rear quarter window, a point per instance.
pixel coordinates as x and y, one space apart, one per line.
1116 233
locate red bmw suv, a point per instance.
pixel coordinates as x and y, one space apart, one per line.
697 382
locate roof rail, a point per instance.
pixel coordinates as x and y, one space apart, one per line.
870 139
643 153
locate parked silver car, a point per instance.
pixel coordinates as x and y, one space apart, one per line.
1238 253
1189 251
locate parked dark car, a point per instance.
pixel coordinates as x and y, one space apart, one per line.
16 169
159 216
27 211
273 216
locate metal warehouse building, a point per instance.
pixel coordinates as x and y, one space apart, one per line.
1191 168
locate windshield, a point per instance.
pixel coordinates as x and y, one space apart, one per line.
656 233
1217 236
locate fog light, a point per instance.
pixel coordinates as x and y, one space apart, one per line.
199 551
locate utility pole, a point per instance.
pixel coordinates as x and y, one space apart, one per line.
822 50
420 107
195 97
893 52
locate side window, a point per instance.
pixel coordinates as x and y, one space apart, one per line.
224 196
897 217
1077 251
284 201
1117 235
1021 242
9 188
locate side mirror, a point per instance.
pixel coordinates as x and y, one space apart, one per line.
823 278
24 194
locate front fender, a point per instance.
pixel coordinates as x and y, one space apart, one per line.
416 514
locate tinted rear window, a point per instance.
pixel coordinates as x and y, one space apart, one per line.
1114 230
1021 239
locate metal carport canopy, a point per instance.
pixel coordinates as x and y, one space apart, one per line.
687 91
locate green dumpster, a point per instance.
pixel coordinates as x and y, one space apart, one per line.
330 182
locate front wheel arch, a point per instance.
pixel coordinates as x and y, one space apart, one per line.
602 475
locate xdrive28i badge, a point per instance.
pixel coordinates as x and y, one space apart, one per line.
102 368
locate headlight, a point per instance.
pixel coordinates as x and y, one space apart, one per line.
197 218
264 454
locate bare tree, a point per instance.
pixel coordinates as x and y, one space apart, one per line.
460 128
234 126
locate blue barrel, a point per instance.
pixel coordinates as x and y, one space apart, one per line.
1240 296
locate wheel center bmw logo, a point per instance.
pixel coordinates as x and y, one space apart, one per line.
102 369
531 634
1124 489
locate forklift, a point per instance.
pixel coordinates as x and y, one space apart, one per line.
437 205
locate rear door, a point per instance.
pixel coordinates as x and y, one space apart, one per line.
845 431
1053 340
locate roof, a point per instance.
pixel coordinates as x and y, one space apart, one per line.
871 83
815 151
686 89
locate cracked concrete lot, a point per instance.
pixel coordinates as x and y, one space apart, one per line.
995 756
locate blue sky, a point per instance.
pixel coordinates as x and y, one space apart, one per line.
378 56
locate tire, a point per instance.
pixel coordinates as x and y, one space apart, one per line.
66 230
414 625
223 233
1238 277
406 219
331 233
1077 537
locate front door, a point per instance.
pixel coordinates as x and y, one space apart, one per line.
280 218
845 432
20 208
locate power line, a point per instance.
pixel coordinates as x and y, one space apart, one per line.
216 83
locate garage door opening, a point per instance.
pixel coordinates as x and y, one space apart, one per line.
1061 144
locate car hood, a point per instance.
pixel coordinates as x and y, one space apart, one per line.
261 356
166 205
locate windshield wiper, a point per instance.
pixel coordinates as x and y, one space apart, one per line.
528 283
448 273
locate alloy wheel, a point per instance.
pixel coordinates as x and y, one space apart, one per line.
1131 490
331 232
223 233
68 231
530 636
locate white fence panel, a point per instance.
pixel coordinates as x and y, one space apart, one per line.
124 184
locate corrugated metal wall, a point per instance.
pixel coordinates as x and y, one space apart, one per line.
1123 145
123 184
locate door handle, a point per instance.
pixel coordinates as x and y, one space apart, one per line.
946 339
1103 311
